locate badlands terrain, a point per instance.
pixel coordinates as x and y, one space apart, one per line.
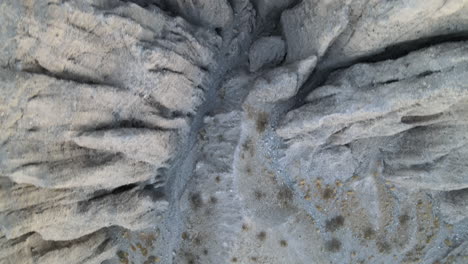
233 131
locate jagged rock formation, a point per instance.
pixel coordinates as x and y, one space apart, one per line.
96 101
266 51
241 131
375 137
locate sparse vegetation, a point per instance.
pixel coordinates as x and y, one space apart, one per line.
285 194
262 121
196 201
283 243
383 246
123 257
403 219
248 146
248 169
333 245
213 200
152 259
334 223
368 233
261 236
258 194
328 193
143 250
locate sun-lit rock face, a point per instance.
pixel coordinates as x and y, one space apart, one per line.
97 100
377 143
212 132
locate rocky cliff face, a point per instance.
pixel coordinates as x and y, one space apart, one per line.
209 131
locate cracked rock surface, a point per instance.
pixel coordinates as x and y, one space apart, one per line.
233 131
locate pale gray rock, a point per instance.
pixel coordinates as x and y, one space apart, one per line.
458 255
81 44
266 51
96 99
31 248
454 206
377 138
282 82
69 215
210 194
412 101
269 11
210 13
233 131
352 29
312 26
376 26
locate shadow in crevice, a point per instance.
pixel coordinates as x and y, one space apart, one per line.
393 52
